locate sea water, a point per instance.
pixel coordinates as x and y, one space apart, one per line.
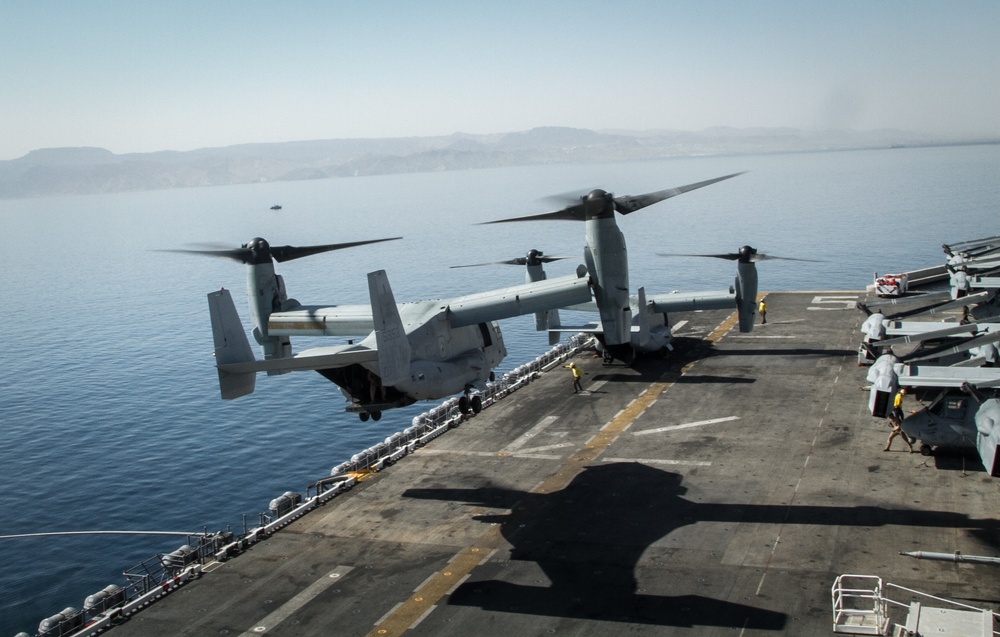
110 412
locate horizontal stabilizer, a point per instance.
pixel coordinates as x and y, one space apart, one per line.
329 357
231 346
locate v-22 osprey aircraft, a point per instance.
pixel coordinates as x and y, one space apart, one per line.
638 323
411 351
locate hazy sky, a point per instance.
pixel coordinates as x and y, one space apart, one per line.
137 76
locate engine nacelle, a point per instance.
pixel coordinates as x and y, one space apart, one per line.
746 294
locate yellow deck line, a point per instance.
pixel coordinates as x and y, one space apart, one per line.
462 564
437 586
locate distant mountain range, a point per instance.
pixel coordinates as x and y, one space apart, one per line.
59 171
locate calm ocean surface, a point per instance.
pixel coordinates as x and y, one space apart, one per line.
110 408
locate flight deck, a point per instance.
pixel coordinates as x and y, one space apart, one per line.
718 491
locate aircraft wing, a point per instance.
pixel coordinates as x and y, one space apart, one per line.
675 302
310 359
318 320
493 305
934 376
691 301
516 300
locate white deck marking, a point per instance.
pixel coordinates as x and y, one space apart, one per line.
685 425
596 385
537 456
388 612
678 325
844 302
531 433
307 595
422 617
692 463
758 336
521 452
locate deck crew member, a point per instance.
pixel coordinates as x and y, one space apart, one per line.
762 308
577 387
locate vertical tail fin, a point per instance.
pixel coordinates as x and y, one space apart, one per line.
642 319
390 337
231 345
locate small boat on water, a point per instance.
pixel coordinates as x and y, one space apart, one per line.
276 207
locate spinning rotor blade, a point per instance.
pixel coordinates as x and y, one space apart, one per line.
571 213
287 253
534 257
746 255
627 203
598 202
246 253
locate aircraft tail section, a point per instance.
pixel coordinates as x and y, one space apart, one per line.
266 292
552 323
642 318
390 336
544 319
746 294
231 345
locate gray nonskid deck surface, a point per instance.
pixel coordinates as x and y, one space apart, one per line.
723 497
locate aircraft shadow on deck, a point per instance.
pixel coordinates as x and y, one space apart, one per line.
589 537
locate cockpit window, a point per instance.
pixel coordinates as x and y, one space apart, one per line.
950 407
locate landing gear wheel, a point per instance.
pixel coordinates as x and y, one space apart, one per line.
477 404
363 416
463 404
925 450
376 416
493 376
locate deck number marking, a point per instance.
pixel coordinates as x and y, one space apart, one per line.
840 302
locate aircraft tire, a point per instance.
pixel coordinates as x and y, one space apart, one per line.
925 450
363 416
477 404
376 416
463 404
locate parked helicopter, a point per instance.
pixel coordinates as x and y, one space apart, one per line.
968 420
409 352
949 420
638 323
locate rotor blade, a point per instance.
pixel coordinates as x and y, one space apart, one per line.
287 253
279 253
236 254
628 203
478 265
517 261
571 213
566 199
734 256
767 257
